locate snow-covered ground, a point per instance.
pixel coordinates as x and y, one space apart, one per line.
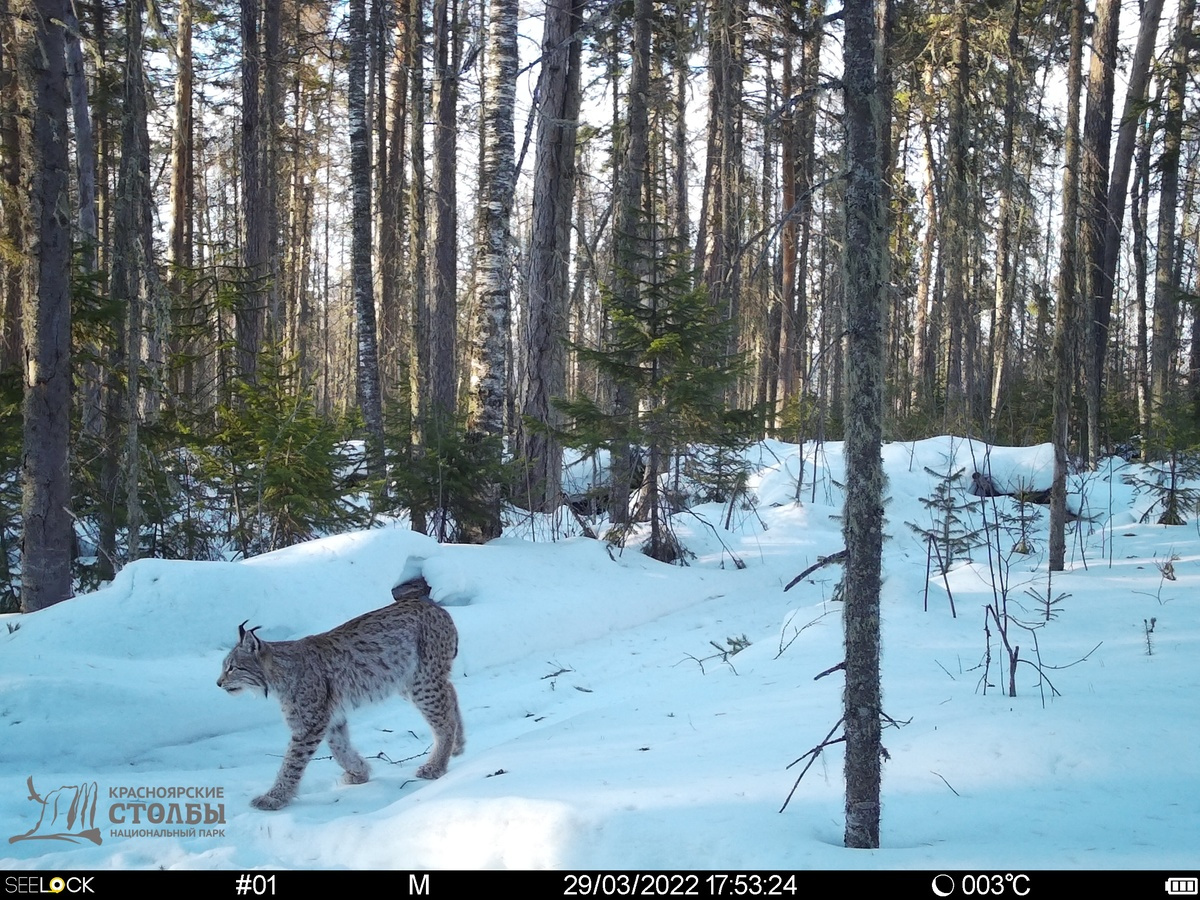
604 728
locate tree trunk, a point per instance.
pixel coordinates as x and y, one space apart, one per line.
1097 142
956 225
493 263
250 314
863 520
418 234
133 273
720 221
1166 278
179 259
1003 307
367 369
443 329
1135 100
545 332
12 224
1067 313
629 240
45 309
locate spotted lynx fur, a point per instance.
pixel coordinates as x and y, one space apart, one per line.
405 648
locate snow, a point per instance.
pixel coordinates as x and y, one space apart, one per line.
604 728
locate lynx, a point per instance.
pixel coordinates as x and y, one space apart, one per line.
405 648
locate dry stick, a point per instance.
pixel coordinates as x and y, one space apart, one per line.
839 667
838 557
928 566
814 753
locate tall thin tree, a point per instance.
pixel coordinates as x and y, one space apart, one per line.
45 308
863 519
369 399
545 326
493 265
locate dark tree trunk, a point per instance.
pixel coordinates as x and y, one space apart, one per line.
368 392
1067 312
629 240
45 310
1094 213
1165 339
545 332
863 520
443 328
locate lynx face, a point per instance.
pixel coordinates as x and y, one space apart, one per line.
243 666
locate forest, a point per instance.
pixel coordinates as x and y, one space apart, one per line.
270 269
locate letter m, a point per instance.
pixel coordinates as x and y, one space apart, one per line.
418 886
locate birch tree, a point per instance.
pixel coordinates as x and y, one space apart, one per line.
493 267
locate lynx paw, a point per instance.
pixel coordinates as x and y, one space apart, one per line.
356 778
430 771
268 801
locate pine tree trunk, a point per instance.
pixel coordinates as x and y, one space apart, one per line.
1166 277
1003 307
46 309
133 274
863 518
1135 99
250 314
956 224
1067 311
629 241
179 258
367 369
12 225
418 234
1094 213
443 328
553 194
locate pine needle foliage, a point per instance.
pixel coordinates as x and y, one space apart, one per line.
669 350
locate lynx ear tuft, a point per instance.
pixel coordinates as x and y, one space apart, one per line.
249 637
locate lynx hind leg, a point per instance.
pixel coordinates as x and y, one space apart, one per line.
460 735
437 702
357 771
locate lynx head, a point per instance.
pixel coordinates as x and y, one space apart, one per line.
243 666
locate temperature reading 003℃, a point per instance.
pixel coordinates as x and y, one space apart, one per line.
981 885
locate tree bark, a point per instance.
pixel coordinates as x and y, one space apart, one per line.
493 264
1165 337
1093 185
629 242
443 328
367 369
1067 312
863 519
250 314
179 259
45 309
545 331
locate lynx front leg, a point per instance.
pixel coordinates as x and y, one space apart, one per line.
300 750
347 757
